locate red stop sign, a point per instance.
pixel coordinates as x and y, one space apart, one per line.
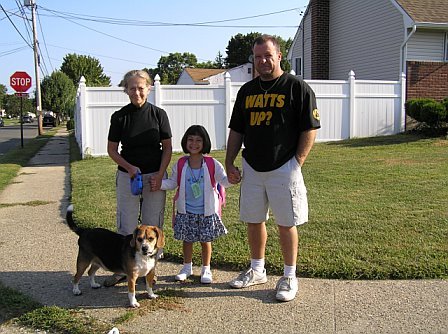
20 81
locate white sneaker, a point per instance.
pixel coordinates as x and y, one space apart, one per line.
287 288
206 277
183 274
248 278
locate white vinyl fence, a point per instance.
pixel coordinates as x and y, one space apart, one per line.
348 109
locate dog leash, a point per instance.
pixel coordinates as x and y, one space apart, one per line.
139 219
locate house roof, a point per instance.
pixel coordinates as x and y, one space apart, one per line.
426 11
199 74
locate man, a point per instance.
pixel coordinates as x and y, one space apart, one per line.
276 117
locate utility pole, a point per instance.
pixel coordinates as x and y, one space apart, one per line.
32 4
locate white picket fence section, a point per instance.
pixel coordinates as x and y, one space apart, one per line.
348 109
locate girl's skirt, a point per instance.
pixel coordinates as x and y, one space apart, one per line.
192 227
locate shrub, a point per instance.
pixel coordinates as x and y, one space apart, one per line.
429 111
445 103
433 113
414 106
70 124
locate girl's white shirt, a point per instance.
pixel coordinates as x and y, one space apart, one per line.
211 200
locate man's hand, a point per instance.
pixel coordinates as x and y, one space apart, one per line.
233 174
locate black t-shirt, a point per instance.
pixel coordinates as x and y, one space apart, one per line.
140 131
271 122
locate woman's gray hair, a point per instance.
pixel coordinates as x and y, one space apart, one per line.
135 73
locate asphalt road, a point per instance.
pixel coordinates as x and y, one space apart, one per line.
10 135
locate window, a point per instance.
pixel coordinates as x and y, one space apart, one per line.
298 66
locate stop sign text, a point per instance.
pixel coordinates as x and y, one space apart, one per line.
20 81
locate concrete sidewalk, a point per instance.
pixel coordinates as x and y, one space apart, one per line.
38 254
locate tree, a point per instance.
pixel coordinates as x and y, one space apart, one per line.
208 64
170 67
151 71
240 46
12 105
75 66
219 60
3 91
284 48
58 93
239 49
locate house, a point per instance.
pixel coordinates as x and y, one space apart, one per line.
207 76
378 40
197 76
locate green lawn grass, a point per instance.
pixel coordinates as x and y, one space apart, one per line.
378 210
11 162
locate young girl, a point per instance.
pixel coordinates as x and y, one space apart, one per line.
197 218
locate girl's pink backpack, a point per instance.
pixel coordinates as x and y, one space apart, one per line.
211 170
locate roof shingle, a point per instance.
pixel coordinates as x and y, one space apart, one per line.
199 74
426 11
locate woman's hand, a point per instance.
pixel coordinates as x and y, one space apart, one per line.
133 171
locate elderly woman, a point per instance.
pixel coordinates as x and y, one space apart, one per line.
145 135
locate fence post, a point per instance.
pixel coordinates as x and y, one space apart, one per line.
157 92
352 109
82 117
402 102
228 104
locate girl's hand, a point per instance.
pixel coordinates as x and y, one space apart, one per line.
156 181
233 174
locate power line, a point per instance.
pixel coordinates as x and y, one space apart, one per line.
211 24
45 43
104 56
111 36
26 21
15 27
9 52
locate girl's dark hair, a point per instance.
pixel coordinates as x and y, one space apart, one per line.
197 130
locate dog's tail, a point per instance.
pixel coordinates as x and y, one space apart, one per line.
70 222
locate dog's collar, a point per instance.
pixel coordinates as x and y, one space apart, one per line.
152 255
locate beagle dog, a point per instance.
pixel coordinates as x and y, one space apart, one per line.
134 255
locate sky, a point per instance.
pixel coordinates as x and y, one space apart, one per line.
126 35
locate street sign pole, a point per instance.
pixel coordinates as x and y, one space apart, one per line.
21 120
20 82
22 96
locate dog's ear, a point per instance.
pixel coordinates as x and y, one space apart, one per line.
160 237
134 236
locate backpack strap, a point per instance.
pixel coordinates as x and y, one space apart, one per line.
180 165
211 168
209 161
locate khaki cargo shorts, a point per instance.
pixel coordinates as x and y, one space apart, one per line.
282 191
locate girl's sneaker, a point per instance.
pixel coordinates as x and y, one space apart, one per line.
183 274
206 276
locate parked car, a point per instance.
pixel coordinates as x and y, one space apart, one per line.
27 119
1 122
49 120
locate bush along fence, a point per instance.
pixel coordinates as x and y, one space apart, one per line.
428 111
